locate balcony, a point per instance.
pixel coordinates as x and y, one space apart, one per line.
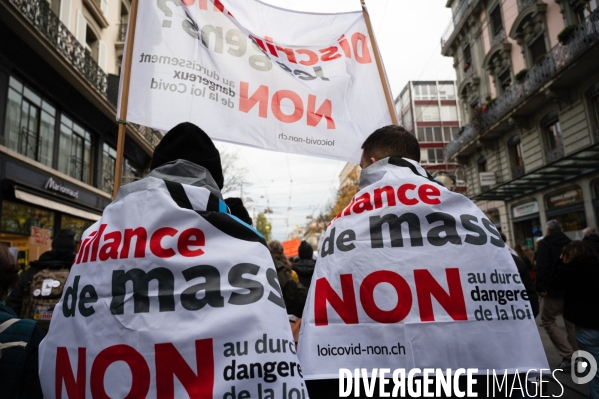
122 32
39 14
585 36
459 16
555 154
522 4
517 171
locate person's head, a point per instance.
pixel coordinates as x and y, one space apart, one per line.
519 251
553 226
64 241
528 252
276 248
589 231
238 210
389 141
305 251
578 251
188 142
9 272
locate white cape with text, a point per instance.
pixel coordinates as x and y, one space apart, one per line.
412 275
170 298
254 74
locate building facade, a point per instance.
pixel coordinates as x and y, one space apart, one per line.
59 66
429 109
528 86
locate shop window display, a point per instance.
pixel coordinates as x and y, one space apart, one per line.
19 218
76 224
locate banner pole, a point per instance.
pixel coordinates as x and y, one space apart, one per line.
379 64
120 150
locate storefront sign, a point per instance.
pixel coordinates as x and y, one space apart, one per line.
526 209
487 178
40 237
565 198
52 185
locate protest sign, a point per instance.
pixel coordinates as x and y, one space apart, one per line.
254 74
168 297
412 275
291 247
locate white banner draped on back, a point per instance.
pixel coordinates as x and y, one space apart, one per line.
254 74
412 275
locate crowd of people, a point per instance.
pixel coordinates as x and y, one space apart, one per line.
561 277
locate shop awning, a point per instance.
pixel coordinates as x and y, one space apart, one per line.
57 206
567 168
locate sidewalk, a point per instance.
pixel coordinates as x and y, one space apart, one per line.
570 389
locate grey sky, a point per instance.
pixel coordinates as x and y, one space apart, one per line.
408 33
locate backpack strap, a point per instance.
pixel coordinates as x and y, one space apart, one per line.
7 324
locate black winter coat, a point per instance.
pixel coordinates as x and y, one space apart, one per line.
548 253
579 281
48 260
593 241
528 285
304 269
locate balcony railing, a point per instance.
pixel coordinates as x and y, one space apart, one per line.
555 154
582 38
455 20
517 171
122 32
39 14
522 4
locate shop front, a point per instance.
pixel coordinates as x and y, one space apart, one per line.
567 207
527 223
36 203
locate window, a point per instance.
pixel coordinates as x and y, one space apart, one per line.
425 91
431 156
405 99
504 79
108 167
581 10
423 156
406 119
19 218
467 57
449 113
594 96
430 134
515 154
449 133
75 151
496 22
30 122
446 91
537 48
427 113
482 164
76 224
131 172
553 132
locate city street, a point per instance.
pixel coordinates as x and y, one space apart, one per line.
570 389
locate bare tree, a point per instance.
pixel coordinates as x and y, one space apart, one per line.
235 175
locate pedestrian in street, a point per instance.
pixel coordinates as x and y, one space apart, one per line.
305 266
55 265
548 256
530 255
294 293
523 271
578 276
520 251
591 237
19 341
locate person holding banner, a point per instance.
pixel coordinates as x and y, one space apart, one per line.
415 292
172 296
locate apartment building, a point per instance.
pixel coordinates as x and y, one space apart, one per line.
59 67
528 87
429 109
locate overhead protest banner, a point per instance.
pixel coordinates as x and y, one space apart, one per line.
412 276
164 301
254 74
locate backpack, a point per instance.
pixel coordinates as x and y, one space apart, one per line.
42 295
15 335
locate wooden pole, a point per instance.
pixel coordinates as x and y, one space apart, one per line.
379 64
120 147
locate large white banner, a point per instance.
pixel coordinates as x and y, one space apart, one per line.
166 302
412 275
254 74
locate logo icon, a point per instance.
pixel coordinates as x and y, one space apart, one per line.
585 364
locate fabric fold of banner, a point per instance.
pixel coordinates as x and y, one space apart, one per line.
246 75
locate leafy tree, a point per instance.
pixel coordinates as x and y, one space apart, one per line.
345 194
263 226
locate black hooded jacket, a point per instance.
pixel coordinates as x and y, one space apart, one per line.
304 269
548 253
593 241
54 259
579 281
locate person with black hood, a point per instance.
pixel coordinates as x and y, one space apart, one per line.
57 262
591 237
578 276
548 256
305 266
